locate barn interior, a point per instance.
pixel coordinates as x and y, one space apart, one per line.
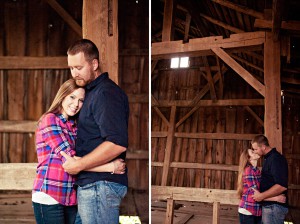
34 38
221 72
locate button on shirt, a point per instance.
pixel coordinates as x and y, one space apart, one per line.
103 117
251 179
53 135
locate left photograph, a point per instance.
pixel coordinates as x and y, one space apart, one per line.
74 99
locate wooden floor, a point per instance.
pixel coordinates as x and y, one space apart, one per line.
201 213
192 213
16 208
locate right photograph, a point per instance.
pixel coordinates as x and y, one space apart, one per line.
225 109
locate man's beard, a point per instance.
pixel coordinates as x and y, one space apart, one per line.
81 82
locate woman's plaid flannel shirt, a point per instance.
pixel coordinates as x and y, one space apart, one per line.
251 179
54 134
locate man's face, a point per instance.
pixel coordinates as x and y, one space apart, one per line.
259 150
82 71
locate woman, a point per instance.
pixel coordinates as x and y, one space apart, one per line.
53 195
248 181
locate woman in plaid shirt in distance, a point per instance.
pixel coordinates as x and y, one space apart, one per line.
249 180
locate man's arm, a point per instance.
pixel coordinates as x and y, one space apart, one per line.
273 191
104 153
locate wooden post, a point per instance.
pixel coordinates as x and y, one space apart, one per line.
167 31
169 144
216 213
272 122
170 211
100 25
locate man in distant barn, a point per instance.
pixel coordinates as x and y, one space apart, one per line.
274 181
102 136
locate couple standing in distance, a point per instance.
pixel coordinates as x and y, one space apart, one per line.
101 143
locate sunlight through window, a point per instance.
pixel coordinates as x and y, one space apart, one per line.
182 62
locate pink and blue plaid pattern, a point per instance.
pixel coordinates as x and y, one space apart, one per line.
251 179
55 134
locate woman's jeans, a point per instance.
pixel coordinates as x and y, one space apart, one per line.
54 214
273 214
99 202
249 219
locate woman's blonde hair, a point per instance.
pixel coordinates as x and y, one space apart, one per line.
65 89
244 161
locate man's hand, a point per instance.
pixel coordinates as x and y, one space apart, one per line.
70 166
257 195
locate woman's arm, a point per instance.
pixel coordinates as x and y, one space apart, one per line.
115 167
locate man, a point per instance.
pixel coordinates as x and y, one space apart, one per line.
274 181
102 136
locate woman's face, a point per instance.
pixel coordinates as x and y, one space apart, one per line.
72 103
252 155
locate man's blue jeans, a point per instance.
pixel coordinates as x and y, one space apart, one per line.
273 214
53 214
99 202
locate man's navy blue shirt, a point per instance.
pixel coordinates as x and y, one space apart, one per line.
103 117
274 171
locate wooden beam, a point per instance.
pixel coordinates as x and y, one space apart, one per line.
170 211
187 27
222 136
276 18
204 166
167 31
272 121
159 134
16 62
169 146
240 8
216 213
211 84
66 16
287 25
221 24
260 121
290 80
18 126
259 87
100 25
204 45
211 103
17 176
247 62
160 114
228 197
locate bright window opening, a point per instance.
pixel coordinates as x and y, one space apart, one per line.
182 62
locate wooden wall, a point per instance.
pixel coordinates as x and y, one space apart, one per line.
134 70
30 28
34 29
211 161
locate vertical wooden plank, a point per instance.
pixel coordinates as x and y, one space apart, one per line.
95 19
272 122
170 211
216 213
167 31
34 78
14 17
220 145
230 144
169 146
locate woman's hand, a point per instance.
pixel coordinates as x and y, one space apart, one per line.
119 166
280 198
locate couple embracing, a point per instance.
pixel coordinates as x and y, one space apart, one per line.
92 172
